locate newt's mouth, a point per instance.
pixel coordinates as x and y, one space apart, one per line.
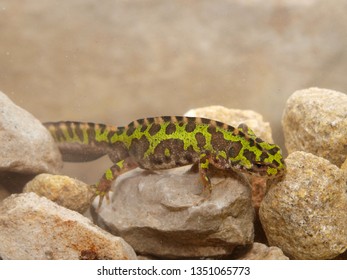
265 169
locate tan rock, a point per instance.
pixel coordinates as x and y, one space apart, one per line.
234 117
162 214
306 214
67 192
315 121
26 146
260 251
33 227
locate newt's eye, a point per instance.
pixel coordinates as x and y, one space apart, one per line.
260 165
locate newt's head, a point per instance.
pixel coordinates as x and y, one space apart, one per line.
271 163
254 156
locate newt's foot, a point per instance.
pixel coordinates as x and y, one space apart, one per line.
204 195
102 191
102 195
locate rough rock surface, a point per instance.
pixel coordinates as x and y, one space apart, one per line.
33 227
315 121
26 146
259 251
306 214
234 117
68 192
159 214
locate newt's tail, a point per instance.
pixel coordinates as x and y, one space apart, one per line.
80 141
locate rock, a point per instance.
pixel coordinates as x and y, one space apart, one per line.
67 192
26 146
306 213
159 214
260 251
33 227
234 117
315 121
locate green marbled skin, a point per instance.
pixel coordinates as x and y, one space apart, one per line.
168 142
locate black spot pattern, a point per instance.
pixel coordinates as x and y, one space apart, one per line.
190 127
171 128
154 129
249 155
201 139
234 149
273 151
130 130
138 147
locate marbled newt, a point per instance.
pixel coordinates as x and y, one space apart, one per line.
168 142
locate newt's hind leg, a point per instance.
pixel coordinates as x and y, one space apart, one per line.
104 185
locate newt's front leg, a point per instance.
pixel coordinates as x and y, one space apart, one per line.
204 163
208 159
104 185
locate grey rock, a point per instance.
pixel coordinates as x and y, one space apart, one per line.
164 214
315 121
26 146
33 227
306 213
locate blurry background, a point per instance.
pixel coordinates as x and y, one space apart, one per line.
113 61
